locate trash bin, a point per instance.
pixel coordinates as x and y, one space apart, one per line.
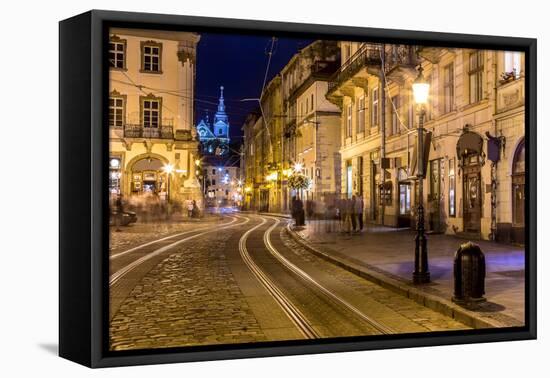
469 275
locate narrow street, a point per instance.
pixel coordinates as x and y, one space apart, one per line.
240 278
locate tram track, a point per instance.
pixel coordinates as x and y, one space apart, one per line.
116 276
275 286
381 328
138 247
293 313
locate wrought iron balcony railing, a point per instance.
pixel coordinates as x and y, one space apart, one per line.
367 55
138 131
400 55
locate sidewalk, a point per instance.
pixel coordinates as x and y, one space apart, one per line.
385 255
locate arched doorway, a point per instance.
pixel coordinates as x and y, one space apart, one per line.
471 158
147 176
518 194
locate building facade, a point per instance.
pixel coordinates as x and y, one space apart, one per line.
295 124
153 141
476 125
224 186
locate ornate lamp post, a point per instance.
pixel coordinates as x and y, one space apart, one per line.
421 274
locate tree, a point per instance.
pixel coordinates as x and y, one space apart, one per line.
298 181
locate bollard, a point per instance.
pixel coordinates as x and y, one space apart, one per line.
469 275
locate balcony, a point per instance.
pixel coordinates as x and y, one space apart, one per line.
368 56
138 131
400 62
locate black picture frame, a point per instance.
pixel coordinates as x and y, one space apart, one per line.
83 202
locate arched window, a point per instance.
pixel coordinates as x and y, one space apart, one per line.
518 186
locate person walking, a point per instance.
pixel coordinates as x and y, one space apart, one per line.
353 213
189 208
359 205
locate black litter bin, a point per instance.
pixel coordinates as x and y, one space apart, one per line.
469 275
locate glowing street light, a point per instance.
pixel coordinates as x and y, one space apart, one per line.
298 167
421 274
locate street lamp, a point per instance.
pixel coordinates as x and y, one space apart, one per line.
168 169
421 274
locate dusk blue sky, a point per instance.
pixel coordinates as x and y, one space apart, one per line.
238 62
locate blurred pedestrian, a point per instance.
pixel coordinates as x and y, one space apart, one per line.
189 208
353 213
359 206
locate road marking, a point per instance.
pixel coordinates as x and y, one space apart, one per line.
117 255
306 277
120 273
293 313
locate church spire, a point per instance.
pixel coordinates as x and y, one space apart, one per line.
221 105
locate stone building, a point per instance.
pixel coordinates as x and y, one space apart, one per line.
152 136
295 124
476 122
223 186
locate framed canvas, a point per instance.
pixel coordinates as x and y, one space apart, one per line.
235 188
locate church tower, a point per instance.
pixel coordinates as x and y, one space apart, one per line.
221 123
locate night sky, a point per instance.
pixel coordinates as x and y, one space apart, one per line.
238 62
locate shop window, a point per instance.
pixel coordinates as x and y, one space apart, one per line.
518 186
386 193
452 188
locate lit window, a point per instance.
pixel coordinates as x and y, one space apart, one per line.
512 63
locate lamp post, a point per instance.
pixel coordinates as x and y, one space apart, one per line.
421 274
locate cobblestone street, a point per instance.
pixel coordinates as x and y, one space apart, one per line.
201 289
191 298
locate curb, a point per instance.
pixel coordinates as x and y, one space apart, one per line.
431 301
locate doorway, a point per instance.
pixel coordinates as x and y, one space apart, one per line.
472 194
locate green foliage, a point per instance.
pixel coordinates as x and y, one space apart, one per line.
298 181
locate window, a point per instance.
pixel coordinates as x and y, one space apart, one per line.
448 88
213 181
213 171
512 63
386 193
116 111
429 105
374 108
410 112
394 111
312 102
347 49
476 76
307 105
117 52
452 188
150 112
361 115
348 121
151 57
